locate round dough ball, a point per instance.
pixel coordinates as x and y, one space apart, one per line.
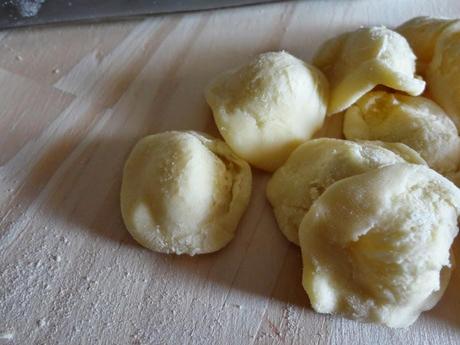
184 193
422 34
375 246
356 62
317 164
265 109
443 75
415 121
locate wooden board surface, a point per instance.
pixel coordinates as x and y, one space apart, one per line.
74 100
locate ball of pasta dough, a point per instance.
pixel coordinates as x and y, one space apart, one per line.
422 34
376 246
356 62
265 109
183 193
317 164
443 75
415 121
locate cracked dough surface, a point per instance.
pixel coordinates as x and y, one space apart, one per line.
375 246
317 164
356 62
266 108
184 193
415 121
443 75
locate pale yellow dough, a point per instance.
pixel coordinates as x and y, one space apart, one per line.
356 62
415 121
184 193
375 246
422 34
443 75
317 164
265 109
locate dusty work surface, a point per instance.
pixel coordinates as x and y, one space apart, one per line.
74 100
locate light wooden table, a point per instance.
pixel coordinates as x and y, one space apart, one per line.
73 101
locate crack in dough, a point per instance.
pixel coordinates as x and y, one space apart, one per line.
376 246
356 62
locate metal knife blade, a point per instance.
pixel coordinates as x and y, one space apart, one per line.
18 13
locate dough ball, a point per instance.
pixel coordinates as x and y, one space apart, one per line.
375 246
183 193
415 121
443 74
265 109
317 164
358 61
422 34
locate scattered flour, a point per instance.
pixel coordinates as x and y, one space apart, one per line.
6 335
29 8
289 316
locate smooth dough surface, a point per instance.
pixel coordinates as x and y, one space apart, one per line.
265 109
184 193
317 164
415 121
443 74
422 34
376 246
356 62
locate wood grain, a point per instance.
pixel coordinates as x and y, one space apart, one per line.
74 101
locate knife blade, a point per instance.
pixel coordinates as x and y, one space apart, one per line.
19 13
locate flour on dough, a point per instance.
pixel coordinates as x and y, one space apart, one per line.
265 109
422 34
184 193
415 121
376 246
356 62
443 75
317 164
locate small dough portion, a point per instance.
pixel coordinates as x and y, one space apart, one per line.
415 121
317 164
265 109
376 246
358 61
422 34
443 74
184 193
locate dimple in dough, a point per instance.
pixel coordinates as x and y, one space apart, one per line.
356 62
266 108
443 75
376 246
422 34
317 164
184 193
415 121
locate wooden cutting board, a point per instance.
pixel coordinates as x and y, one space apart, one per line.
74 100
